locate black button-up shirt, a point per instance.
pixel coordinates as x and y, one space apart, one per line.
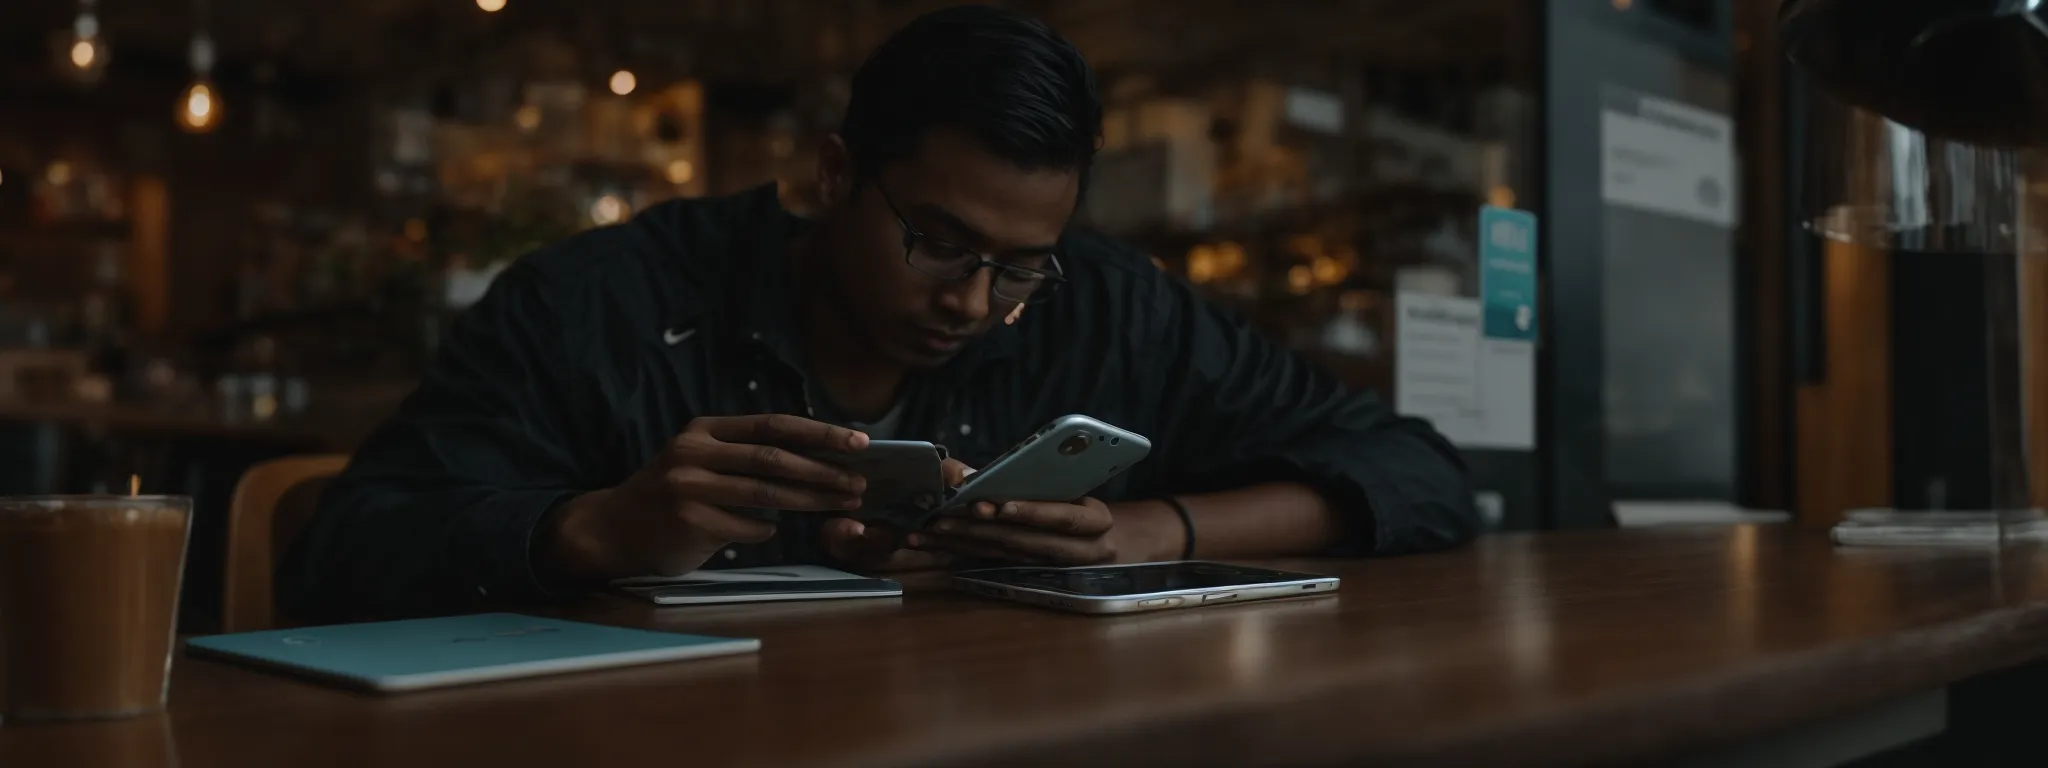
584 359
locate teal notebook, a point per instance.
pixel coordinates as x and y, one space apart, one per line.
428 653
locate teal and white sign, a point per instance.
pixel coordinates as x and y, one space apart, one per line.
1467 364
1507 272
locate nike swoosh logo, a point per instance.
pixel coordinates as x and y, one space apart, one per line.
674 337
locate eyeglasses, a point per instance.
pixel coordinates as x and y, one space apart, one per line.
1014 283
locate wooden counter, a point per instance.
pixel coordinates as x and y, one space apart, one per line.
1525 649
341 418
133 419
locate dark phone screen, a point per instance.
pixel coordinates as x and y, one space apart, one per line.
1134 580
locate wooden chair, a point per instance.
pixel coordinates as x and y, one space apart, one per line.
272 504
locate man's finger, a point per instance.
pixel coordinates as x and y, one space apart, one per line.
855 542
913 560
937 544
956 472
1057 517
705 486
844 539
1018 540
875 548
782 429
898 557
721 525
772 462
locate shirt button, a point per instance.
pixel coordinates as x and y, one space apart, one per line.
753 385
967 429
732 554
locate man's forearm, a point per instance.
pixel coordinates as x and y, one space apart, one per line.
1270 520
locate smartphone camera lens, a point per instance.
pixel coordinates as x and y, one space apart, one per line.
1074 445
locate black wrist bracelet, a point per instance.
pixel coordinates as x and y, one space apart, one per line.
1187 551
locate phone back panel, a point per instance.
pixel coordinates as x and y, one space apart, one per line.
900 472
1061 462
906 481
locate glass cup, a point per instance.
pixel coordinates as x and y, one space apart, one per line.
88 603
1883 184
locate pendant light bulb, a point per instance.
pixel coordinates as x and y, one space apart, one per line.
84 58
198 109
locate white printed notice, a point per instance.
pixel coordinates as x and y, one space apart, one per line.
1666 157
1478 391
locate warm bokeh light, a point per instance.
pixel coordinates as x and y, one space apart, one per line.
680 172
1229 259
58 174
1328 271
198 108
1300 278
84 53
87 53
1201 264
609 209
416 230
623 82
527 117
1623 5
263 406
491 6
1214 262
1501 196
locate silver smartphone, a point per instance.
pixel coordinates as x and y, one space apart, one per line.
1062 461
1141 587
906 482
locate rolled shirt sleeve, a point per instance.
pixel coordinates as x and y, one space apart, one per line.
439 507
1238 408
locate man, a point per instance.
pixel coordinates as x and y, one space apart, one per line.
612 399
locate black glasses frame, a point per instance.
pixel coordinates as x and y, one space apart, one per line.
1053 279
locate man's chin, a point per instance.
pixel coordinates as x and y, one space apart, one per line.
916 353
924 360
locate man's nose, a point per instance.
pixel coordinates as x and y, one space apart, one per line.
968 299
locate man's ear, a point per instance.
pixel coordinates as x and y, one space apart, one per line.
835 171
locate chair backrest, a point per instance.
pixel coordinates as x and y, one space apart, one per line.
272 504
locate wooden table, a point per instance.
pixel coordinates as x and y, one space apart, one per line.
1531 649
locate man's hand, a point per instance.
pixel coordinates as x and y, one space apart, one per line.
879 548
1083 532
669 517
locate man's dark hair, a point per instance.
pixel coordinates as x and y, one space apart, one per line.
1004 78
